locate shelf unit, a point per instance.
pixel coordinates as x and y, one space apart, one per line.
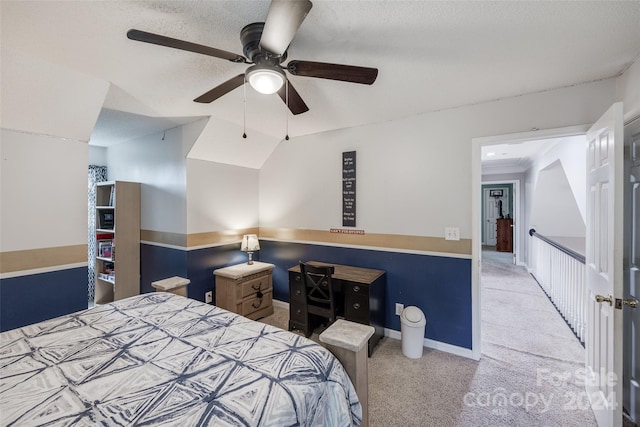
117 240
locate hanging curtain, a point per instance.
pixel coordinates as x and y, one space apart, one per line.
96 174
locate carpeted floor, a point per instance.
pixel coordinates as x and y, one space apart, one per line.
529 374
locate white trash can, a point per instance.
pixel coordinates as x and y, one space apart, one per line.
412 326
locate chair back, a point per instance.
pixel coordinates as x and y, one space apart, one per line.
318 285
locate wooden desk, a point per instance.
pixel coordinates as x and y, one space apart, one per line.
361 289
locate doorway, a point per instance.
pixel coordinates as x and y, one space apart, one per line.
515 177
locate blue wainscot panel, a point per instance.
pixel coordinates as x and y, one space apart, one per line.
158 262
440 286
36 297
202 262
196 265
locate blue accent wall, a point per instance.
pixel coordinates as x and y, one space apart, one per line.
159 263
440 286
36 297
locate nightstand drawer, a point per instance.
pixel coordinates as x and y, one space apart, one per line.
252 286
254 304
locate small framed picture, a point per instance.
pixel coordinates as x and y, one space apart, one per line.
495 193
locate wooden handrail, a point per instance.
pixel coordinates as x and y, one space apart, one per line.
573 254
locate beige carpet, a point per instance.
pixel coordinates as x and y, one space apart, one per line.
529 373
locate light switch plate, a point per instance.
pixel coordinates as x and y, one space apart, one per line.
452 233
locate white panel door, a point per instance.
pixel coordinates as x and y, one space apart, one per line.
603 341
492 213
490 216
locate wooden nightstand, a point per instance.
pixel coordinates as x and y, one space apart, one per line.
246 289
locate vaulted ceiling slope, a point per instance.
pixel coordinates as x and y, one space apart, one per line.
431 55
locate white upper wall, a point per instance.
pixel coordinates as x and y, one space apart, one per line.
571 152
414 174
628 90
554 209
48 112
158 161
181 195
220 197
43 189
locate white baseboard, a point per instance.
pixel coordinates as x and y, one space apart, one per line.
435 345
392 333
280 304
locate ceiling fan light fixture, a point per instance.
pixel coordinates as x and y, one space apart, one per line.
265 79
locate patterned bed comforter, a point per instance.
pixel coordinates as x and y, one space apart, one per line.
161 359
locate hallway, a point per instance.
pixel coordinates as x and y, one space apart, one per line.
537 362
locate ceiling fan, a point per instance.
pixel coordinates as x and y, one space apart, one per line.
265 45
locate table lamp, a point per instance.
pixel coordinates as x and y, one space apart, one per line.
250 244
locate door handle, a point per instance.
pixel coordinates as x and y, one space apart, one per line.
630 302
600 298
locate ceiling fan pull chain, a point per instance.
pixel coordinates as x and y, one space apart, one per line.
286 112
244 105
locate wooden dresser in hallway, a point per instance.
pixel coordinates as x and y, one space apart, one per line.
504 235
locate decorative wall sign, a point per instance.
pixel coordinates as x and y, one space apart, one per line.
345 231
349 189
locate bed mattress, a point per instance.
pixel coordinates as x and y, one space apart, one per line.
162 359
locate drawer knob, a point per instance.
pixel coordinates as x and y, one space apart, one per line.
298 278
356 288
258 288
298 292
356 306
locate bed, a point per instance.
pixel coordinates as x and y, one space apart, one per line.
162 359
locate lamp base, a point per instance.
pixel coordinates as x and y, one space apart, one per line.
250 258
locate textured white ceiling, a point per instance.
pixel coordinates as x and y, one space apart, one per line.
431 55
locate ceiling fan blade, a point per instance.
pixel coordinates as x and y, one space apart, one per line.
221 89
143 36
283 20
323 70
296 104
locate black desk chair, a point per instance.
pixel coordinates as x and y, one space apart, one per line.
321 298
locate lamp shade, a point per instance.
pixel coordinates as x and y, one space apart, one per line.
250 243
265 79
